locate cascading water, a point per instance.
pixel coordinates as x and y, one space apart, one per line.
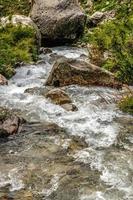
87 161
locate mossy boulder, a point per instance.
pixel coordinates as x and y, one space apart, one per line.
69 72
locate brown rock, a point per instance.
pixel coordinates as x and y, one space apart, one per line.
69 72
69 107
9 123
3 80
59 97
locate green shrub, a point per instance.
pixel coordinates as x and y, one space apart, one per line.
10 7
18 44
126 104
116 37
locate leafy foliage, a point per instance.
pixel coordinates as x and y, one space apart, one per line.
17 45
126 104
114 36
9 7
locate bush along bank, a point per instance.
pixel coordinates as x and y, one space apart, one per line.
18 44
11 7
109 36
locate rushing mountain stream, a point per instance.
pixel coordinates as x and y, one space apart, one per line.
61 155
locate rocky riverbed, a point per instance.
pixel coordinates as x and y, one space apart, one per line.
60 154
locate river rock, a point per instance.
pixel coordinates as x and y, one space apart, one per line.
59 97
69 71
9 123
59 21
3 80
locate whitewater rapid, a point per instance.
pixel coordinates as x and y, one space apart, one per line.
95 121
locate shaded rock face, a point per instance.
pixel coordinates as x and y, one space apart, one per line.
3 80
69 72
9 123
59 21
59 97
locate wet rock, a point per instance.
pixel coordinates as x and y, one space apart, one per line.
38 90
77 143
58 21
9 123
59 97
69 107
45 50
124 137
70 71
3 80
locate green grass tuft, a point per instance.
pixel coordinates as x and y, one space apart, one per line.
18 44
126 104
116 37
10 7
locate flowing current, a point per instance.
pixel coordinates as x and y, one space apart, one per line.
89 158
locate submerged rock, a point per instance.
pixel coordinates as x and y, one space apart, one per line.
9 122
58 21
70 71
45 50
3 80
69 107
59 97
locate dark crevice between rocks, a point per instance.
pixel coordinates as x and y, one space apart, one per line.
47 42
61 41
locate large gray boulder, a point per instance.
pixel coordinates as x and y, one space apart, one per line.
58 20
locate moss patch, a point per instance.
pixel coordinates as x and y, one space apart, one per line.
10 7
18 44
126 104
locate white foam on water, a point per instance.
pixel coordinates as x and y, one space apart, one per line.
92 157
11 179
54 183
94 196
